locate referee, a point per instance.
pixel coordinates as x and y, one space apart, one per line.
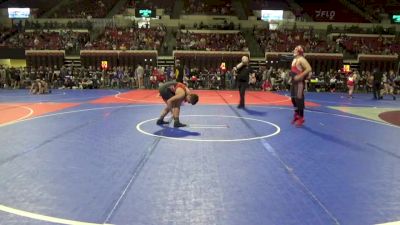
243 72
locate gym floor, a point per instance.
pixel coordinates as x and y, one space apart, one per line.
98 157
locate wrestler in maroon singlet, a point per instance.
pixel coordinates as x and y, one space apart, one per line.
299 72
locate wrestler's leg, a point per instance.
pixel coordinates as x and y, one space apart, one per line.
164 112
293 91
300 105
175 113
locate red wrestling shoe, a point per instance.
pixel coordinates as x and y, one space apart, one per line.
300 121
295 117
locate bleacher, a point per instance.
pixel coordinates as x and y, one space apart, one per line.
129 39
120 42
85 9
286 40
208 40
208 7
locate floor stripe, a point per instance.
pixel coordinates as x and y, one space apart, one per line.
290 170
44 218
391 223
135 174
206 126
277 131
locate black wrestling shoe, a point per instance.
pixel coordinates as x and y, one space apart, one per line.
162 122
179 124
394 98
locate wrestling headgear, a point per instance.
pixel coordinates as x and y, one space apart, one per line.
299 50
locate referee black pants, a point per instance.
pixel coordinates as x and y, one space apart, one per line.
377 90
242 91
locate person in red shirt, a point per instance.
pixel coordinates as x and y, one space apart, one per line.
351 82
174 93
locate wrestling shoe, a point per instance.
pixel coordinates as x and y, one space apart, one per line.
162 122
179 124
299 122
295 117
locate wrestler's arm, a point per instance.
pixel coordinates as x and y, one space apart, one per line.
187 91
177 99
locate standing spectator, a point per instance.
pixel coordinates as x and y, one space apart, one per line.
147 73
265 77
388 84
351 82
377 83
17 79
229 79
333 81
154 78
370 82
132 78
139 73
179 73
2 77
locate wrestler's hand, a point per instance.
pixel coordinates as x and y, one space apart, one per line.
297 78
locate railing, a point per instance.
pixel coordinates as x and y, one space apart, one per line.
209 59
129 58
383 62
44 58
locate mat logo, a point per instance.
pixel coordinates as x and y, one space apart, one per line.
325 14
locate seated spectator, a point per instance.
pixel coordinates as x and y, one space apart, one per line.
40 40
208 7
211 41
85 9
129 38
86 83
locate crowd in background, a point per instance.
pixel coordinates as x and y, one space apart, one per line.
285 40
210 41
52 36
216 7
84 9
369 45
115 38
150 77
153 5
112 38
42 39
